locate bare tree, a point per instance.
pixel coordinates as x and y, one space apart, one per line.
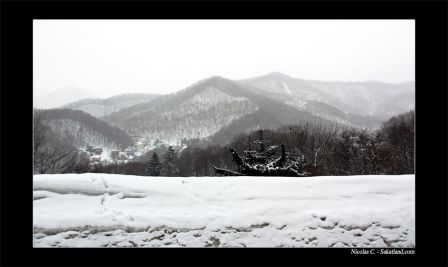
50 156
39 132
319 140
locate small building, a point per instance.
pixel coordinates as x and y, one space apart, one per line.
98 151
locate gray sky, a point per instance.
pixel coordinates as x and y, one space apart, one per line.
109 57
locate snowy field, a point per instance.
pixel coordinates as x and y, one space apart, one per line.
105 210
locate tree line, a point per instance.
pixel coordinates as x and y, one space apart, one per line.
318 149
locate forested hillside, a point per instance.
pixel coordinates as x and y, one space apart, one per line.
216 107
325 150
80 129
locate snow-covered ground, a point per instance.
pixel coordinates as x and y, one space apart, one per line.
106 210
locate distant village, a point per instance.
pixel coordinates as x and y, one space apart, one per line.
140 146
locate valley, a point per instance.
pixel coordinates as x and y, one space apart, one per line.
215 110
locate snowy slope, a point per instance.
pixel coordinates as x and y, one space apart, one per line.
104 210
195 112
80 129
199 116
98 107
369 98
204 110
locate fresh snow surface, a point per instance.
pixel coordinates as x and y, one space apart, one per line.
107 210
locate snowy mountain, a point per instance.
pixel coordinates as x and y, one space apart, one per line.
369 99
101 107
80 129
210 106
217 109
60 97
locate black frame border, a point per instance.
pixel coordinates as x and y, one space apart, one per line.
16 111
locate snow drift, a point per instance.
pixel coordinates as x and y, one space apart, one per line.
106 210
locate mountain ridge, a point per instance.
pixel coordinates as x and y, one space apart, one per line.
215 108
357 98
100 107
188 109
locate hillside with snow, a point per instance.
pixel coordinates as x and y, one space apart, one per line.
217 109
99 107
343 102
80 129
105 210
214 108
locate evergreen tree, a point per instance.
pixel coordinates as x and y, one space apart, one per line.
154 166
263 162
261 155
169 167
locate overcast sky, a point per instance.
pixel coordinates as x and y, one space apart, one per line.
110 57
